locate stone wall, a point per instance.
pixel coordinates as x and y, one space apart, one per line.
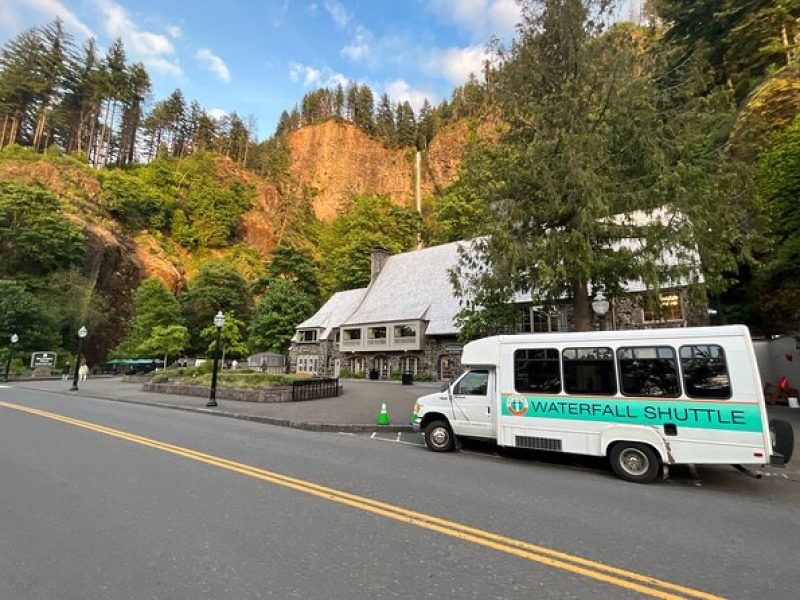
276 394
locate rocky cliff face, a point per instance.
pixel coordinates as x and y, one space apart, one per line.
339 160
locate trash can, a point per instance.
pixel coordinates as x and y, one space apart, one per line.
373 373
407 378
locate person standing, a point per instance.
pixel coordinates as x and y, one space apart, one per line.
65 372
83 372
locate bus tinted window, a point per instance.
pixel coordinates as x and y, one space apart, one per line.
589 371
705 372
537 371
649 371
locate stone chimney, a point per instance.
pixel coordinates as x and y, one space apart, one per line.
379 257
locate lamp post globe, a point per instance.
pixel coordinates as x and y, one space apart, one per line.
14 339
219 322
82 333
600 305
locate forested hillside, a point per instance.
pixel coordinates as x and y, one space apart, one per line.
103 186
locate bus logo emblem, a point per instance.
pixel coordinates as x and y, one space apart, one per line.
517 405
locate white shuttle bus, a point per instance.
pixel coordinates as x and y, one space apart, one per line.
645 398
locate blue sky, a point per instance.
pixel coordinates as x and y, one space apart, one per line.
260 57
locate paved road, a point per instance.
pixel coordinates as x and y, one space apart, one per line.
110 500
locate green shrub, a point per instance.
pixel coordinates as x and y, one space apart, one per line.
163 376
348 374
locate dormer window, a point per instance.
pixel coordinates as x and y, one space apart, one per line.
309 335
376 333
352 335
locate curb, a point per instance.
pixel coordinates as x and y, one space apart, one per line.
302 425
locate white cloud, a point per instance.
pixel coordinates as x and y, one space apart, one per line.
214 63
338 13
456 64
153 49
49 9
482 18
337 79
313 9
359 46
174 32
400 91
217 113
308 74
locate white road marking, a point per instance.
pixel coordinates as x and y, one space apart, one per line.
377 439
372 437
398 436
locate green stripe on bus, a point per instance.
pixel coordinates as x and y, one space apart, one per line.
739 417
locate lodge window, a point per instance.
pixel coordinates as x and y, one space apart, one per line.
589 371
352 335
408 364
539 320
649 371
537 370
404 331
357 364
705 372
474 383
668 308
308 336
376 333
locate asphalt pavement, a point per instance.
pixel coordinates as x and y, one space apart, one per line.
105 499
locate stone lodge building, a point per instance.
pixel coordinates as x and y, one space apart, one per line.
403 321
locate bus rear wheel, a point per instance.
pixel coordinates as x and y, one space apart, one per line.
634 462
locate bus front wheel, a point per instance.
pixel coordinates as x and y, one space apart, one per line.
634 462
439 436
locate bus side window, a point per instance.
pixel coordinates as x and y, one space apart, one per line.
537 370
705 372
649 371
589 371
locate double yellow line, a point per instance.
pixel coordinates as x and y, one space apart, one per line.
629 580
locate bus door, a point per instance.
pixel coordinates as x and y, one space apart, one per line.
473 399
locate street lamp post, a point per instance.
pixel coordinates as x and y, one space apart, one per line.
81 334
219 321
14 340
600 306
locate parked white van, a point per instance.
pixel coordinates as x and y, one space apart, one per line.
644 398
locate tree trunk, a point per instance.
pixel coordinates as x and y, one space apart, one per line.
12 138
90 138
99 147
3 132
165 361
785 39
107 154
581 305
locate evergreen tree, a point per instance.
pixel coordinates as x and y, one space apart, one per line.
593 137
384 121
406 125
338 101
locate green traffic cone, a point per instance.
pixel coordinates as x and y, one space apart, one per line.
383 418
413 416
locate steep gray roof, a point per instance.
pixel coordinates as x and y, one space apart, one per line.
413 285
334 311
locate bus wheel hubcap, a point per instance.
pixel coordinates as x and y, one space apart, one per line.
634 461
439 436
